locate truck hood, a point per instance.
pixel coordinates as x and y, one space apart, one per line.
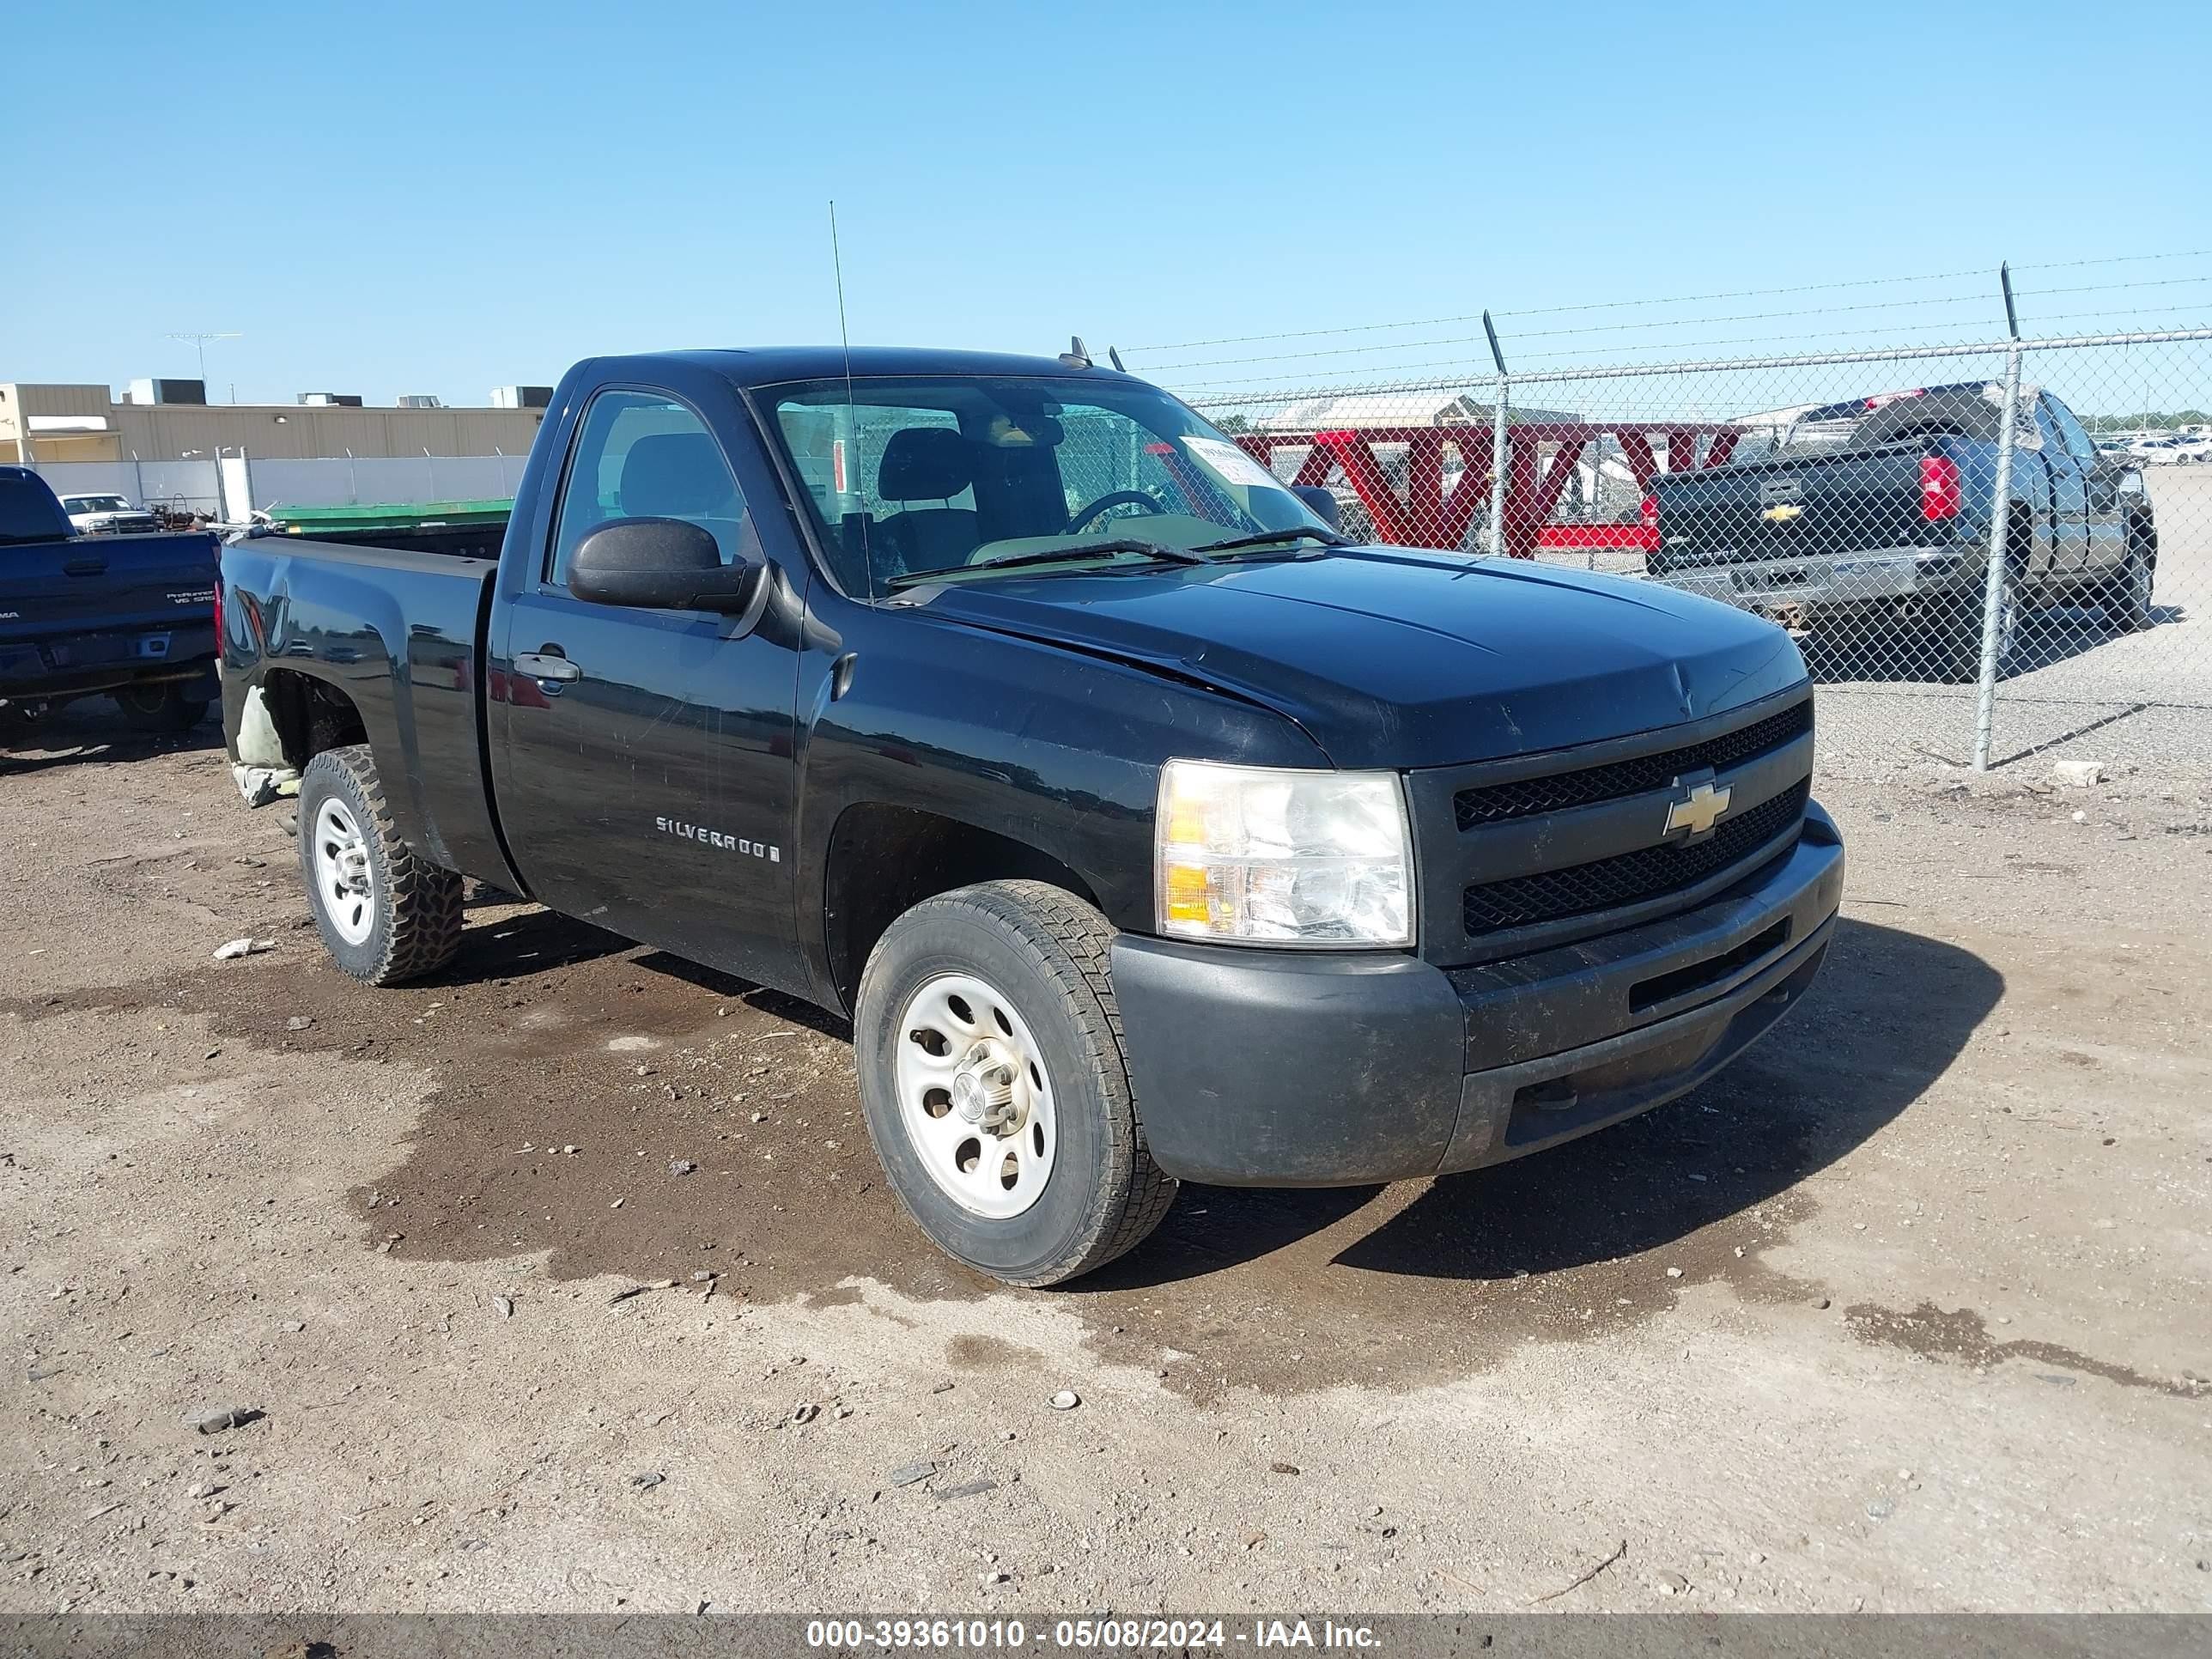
1394 658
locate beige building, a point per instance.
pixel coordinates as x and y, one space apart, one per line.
85 423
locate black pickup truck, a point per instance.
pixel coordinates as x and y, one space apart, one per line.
130 616
1872 516
1144 828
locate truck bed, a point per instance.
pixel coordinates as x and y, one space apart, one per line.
1853 500
400 632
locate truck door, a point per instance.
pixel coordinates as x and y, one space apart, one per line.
644 757
2069 495
2104 526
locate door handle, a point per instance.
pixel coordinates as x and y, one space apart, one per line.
547 667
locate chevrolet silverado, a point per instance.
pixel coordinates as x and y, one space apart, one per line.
1144 828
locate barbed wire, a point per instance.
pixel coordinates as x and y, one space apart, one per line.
1521 337
1690 299
1480 370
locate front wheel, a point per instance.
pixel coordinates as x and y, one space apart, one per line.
386 913
995 1087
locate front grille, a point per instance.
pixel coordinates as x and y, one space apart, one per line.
1648 873
1493 803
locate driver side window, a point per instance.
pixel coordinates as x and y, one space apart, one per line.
644 455
2077 441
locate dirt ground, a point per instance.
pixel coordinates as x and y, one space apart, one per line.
1907 1311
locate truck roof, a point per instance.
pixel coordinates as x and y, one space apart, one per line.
753 366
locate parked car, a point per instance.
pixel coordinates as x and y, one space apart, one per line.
101 514
1144 828
126 616
1874 515
2175 449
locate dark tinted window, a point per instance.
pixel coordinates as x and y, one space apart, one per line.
27 511
643 455
2078 442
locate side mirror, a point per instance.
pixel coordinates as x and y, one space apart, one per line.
1322 503
660 564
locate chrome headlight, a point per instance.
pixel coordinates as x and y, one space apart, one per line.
1257 856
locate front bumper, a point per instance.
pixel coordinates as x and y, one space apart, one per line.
1278 1068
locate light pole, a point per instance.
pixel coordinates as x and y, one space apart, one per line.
198 341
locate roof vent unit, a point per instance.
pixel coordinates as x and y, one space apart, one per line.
166 392
331 399
522 396
418 400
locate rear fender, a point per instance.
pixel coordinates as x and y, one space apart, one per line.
349 636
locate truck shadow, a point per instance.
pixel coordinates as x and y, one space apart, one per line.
1890 1013
1883 655
535 940
93 731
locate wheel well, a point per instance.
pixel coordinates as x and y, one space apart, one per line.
2142 535
884 860
309 715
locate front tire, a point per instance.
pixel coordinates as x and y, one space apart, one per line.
386 914
995 1085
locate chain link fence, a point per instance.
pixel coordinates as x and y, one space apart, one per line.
1988 552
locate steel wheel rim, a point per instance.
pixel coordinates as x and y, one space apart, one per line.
2008 621
974 1097
345 886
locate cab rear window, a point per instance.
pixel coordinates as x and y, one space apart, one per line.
27 512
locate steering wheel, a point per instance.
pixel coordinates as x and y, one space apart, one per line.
1117 498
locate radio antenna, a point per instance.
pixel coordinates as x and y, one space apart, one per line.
852 412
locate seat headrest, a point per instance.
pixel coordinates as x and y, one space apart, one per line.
924 464
677 475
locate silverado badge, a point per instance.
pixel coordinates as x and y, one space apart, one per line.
1699 809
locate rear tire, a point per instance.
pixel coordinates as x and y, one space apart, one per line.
386 913
1950 646
161 708
2126 596
1005 986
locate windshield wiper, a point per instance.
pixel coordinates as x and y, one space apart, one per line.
1155 552
1265 537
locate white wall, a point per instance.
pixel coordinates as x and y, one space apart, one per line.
190 482
245 484
373 479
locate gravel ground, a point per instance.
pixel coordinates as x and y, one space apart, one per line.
1907 1311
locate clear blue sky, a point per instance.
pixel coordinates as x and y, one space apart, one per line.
447 198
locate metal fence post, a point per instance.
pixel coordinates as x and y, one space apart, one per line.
1994 597
1496 538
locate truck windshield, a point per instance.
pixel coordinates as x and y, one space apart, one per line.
95 503
909 475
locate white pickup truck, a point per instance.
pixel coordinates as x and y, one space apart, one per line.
104 514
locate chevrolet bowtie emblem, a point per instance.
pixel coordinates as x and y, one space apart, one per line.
1782 512
1699 810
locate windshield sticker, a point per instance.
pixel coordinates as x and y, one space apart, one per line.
1231 465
